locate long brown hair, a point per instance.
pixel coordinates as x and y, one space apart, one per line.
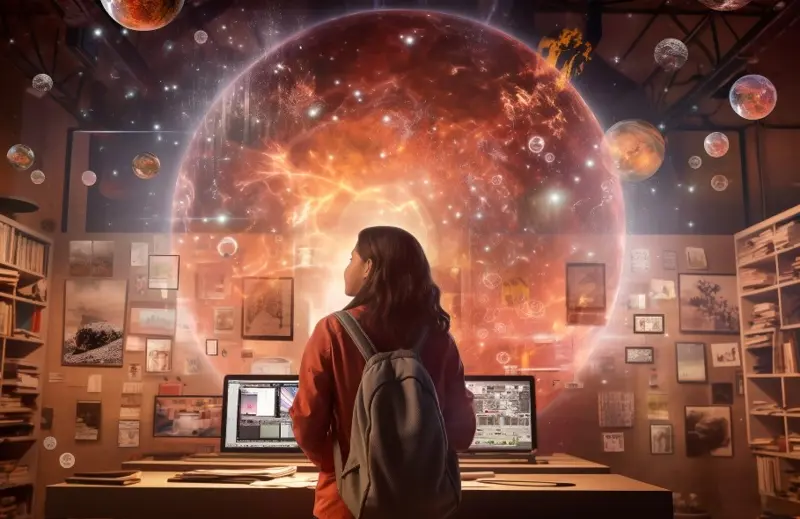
399 293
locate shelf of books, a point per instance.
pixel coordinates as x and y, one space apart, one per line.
24 266
768 275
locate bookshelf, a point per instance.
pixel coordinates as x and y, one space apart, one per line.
24 267
768 278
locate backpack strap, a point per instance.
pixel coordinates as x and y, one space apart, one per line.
356 333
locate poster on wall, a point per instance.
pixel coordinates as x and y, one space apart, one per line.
87 420
94 321
657 406
640 261
669 260
708 303
139 253
725 355
163 272
690 360
696 258
708 431
661 439
613 442
648 324
586 294
159 355
188 417
91 258
268 309
152 321
615 408
224 319
128 433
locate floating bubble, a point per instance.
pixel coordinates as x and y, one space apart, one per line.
37 176
725 5
695 162
719 182
201 37
636 150
503 358
530 310
482 333
500 327
536 144
20 157
492 280
146 165
549 157
716 144
42 82
497 180
227 247
671 54
753 97
89 178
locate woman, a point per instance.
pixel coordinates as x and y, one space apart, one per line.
394 295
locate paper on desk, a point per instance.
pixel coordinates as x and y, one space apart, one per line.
271 472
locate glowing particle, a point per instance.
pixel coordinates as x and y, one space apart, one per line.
37 176
386 118
200 37
719 182
227 247
536 144
89 178
20 157
695 162
42 82
549 157
590 163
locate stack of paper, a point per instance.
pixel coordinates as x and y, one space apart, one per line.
757 247
752 279
8 277
764 316
758 341
787 235
792 272
243 476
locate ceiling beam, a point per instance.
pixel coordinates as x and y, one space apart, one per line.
765 30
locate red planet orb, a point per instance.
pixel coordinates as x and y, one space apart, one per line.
433 122
143 15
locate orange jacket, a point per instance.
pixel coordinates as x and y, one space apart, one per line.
330 373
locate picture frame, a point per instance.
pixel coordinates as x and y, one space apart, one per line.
709 431
268 308
708 303
158 353
722 393
212 347
94 322
153 320
639 355
163 271
669 260
586 293
88 420
725 355
649 324
224 319
662 440
189 416
690 363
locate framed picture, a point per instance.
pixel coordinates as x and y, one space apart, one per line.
586 293
690 359
212 347
187 417
94 322
163 272
224 318
696 258
648 323
88 420
268 309
153 321
708 431
212 283
722 393
725 355
669 260
159 355
661 439
708 303
639 355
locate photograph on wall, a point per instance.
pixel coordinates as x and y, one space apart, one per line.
192 366
640 261
94 322
696 258
188 417
661 439
613 442
615 408
87 420
224 319
139 253
80 259
102 259
134 343
163 272
212 283
725 355
657 406
648 324
152 321
722 393
128 436
662 289
708 303
268 309
708 431
159 355
639 355
586 294
514 291
637 302
690 358
669 260
212 347
135 372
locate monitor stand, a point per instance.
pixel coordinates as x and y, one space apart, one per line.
506 457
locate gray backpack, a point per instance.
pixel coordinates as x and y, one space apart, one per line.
400 464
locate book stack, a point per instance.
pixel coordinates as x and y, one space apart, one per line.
765 444
6 242
757 247
17 476
20 374
763 340
10 403
6 318
794 442
753 279
764 316
792 272
787 235
8 277
769 475
29 254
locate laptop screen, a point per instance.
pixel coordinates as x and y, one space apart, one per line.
505 411
256 413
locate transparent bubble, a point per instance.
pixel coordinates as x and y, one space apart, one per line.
42 82
492 280
497 180
482 333
549 157
20 157
695 162
536 144
500 327
37 176
530 309
753 97
89 178
146 165
719 182
201 37
227 247
503 358
716 144
671 54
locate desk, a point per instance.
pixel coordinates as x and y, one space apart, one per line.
556 464
613 496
